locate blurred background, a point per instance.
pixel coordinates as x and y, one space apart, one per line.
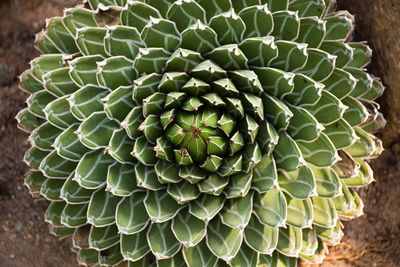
371 240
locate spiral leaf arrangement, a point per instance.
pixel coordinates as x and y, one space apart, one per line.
200 133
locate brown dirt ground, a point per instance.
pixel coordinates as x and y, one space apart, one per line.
372 240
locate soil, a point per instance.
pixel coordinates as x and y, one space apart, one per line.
371 240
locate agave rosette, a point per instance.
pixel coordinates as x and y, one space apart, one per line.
200 133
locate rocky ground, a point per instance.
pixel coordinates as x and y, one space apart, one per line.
372 240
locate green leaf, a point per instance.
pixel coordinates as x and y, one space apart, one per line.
239 185
199 37
270 208
245 257
264 175
286 24
87 100
68 145
102 206
186 13
146 177
290 241
132 122
356 113
305 92
340 83
34 156
291 57
138 14
206 207
44 136
310 242
319 66
299 184
259 50
214 8
83 69
223 241
110 256
229 57
103 237
312 31
58 113
183 60
119 179
151 60
123 41
327 182
114 72
308 8
54 166
214 184
161 33
199 255
287 153
96 131
253 17
362 54
131 215
27 121
50 189
237 211
328 109
77 18
320 152
299 212
324 212
59 83
160 206
162 241
143 151
188 229
183 192
228 26
91 172
73 193
90 41
339 26
120 146
56 38
303 126
260 237
343 51
134 247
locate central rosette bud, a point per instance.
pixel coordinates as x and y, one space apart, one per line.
198 119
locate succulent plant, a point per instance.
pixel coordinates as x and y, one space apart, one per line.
200 133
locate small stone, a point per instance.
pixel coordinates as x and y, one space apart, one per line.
18 226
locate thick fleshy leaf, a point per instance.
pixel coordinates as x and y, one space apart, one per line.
206 207
300 183
222 240
101 211
121 179
271 208
134 247
290 241
188 229
91 172
160 206
237 212
131 214
199 255
260 237
162 241
228 26
103 237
